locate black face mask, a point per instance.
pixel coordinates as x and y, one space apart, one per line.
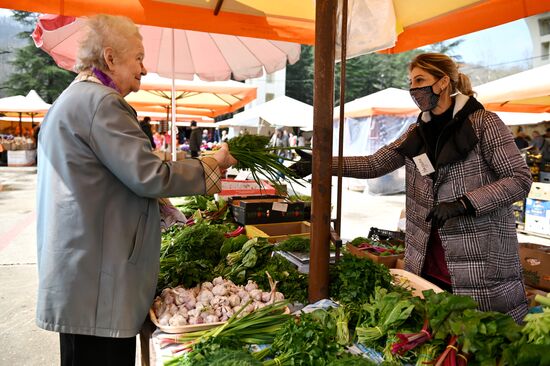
424 97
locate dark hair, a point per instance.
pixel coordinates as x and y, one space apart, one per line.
193 123
146 119
440 65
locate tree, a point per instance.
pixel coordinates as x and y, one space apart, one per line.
34 68
373 72
299 77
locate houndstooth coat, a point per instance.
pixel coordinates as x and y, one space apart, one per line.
480 161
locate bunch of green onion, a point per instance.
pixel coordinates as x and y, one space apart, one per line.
254 153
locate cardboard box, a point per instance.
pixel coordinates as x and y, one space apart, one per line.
537 216
245 188
268 209
389 261
21 157
278 232
540 191
535 260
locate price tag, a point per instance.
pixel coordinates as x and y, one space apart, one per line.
242 175
423 164
279 206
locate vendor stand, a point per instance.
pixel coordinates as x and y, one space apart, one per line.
402 327
19 142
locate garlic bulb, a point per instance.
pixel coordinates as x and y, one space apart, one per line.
251 285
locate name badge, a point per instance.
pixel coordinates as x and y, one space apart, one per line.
423 164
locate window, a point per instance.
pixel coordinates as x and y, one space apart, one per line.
270 78
544 26
544 50
269 96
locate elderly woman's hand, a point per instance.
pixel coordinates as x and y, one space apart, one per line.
224 158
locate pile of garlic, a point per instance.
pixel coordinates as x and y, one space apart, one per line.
210 302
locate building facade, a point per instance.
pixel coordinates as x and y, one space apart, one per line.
539 28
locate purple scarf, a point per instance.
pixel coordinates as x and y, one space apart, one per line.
105 79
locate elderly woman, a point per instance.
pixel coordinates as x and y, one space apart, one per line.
463 173
98 213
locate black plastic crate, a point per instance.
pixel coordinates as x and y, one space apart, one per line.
261 210
381 234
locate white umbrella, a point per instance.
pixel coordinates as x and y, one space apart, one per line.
527 91
31 105
282 111
387 101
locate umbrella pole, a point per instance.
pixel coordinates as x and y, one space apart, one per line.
325 35
343 41
173 97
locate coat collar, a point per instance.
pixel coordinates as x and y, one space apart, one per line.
460 102
458 135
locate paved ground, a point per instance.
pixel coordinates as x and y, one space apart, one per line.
21 342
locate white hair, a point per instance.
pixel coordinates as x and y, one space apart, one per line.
104 31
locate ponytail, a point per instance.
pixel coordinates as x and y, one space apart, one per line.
464 85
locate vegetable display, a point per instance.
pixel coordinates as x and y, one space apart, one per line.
376 316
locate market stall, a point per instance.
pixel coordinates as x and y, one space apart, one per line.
196 97
19 141
282 111
435 24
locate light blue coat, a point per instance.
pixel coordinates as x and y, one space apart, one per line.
98 231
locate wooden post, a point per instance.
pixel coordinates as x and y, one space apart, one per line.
325 34
343 47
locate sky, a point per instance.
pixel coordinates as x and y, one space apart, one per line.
506 45
499 46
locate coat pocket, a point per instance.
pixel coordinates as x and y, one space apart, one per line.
138 241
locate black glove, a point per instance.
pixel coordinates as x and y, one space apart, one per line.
446 210
302 168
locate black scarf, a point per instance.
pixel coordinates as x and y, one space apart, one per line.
456 140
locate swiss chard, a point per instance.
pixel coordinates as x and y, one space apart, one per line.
485 335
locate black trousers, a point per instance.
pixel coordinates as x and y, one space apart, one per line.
194 154
85 350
